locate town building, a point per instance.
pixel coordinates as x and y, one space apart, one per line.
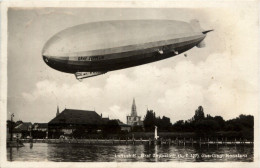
105 120
23 130
134 119
123 126
40 130
71 121
40 127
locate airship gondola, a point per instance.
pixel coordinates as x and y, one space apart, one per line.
95 48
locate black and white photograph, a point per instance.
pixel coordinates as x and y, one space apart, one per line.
130 82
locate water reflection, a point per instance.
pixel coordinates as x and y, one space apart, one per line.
128 153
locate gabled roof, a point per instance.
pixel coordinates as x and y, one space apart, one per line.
18 122
120 123
23 126
72 116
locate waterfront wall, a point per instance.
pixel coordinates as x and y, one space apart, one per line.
184 141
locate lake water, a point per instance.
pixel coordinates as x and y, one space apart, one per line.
129 153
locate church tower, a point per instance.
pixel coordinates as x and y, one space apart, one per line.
133 111
133 119
58 111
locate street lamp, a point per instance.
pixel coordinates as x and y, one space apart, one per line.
11 127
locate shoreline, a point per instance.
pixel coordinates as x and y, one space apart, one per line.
182 142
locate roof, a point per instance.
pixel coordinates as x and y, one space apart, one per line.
40 125
72 116
105 120
18 122
23 126
121 124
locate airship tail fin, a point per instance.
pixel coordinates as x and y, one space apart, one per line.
195 24
202 44
205 32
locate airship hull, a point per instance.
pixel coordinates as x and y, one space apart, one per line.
118 44
102 63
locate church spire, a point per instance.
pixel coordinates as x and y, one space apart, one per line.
58 111
133 111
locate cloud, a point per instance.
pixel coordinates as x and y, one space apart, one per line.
76 93
116 112
223 83
175 91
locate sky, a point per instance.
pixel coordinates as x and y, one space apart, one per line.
222 77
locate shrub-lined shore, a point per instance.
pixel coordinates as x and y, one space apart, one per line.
199 126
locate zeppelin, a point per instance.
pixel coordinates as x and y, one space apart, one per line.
95 48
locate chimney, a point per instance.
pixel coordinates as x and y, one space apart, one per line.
58 111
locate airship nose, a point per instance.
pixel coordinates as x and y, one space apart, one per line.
53 56
49 61
58 63
45 58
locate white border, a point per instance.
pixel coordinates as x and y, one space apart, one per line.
109 4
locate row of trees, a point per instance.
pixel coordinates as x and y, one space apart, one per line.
201 124
150 120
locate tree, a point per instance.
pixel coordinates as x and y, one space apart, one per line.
199 114
220 121
178 126
158 123
206 127
149 120
165 123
